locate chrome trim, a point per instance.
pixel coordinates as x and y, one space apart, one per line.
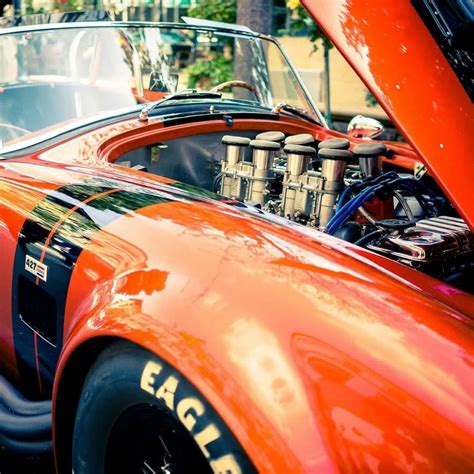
124 24
316 110
29 326
361 126
215 24
73 54
438 18
145 112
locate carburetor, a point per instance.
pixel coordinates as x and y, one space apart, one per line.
307 196
244 180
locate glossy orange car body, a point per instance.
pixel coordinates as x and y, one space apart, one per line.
320 356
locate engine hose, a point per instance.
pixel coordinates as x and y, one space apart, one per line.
405 205
412 186
423 188
367 238
25 427
348 209
217 182
427 208
400 199
344 194
357 188
343 214
30 448
14 401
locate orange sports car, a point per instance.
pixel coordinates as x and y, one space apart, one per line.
198 275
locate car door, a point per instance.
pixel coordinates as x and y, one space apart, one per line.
27 307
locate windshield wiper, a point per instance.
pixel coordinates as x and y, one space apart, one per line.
180 95
291 109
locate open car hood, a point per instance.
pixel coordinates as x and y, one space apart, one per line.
395 54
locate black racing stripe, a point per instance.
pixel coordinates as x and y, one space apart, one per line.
40 308
27 299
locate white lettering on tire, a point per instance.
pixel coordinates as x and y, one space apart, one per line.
188 410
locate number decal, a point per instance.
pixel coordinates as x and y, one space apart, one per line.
37 268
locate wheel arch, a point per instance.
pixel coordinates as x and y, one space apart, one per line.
67 393
205 361
69 386
245 419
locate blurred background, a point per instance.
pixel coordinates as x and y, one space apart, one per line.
337 90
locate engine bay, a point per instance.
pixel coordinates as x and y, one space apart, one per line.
351 194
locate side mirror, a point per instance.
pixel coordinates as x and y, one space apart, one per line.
160 83
363 127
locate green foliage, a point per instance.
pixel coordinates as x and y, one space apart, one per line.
59 6
216 10
69 5
370 100
210 72
30 10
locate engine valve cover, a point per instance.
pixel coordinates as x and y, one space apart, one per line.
429 240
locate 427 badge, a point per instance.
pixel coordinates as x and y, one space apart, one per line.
36 267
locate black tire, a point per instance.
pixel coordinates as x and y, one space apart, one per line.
122 424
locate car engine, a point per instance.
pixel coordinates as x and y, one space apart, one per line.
348 194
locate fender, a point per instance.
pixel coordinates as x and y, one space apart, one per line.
269 348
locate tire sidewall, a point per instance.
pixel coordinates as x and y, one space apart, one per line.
126 375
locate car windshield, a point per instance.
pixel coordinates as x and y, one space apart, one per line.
52 76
